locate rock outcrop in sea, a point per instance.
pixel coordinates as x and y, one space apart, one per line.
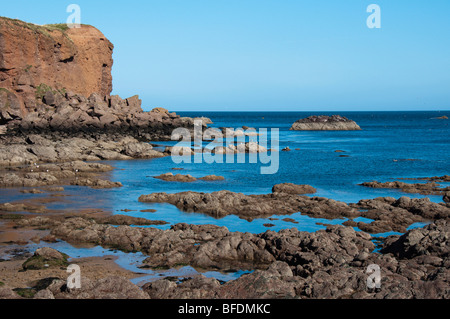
325 123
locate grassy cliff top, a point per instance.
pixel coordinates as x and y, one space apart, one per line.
43 29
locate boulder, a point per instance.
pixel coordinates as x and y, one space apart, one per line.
44 258
290 188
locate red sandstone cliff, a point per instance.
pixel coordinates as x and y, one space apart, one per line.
33 57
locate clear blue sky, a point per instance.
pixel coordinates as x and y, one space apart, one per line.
261 55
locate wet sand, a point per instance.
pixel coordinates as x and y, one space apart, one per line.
94 268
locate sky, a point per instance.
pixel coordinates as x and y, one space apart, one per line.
269 55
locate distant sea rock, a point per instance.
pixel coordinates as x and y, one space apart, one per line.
325 123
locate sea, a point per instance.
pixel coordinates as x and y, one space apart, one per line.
390 146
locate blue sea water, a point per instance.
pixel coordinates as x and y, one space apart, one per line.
391 145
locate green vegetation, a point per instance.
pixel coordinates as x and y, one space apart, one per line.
58 26
25 292
43 29
39 262
4 90
44 88
2 284
11 216
40 29
28 68
31 26
44 283
62 91
41 90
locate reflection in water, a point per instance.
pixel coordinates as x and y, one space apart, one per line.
128 261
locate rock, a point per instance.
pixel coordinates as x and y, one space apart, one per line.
290 188
179 151
49 98
148 211
280 268
230 149
7 293
32 191
223 203
325 123
44 258
96 183
329 263
212 178
127 220
431 188
204 120
250 147
9 107
78 59
446 197
108 119
160 110
431 240
141 150
44 294
44 153
67 61
198 287
387 214
169 177
27 180
263 286
290 220
106 288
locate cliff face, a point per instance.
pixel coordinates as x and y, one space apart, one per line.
33 58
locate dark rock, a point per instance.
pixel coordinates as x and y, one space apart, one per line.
169 177
325 123
223 203
293 189
46 258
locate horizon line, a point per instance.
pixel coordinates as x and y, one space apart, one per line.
309 111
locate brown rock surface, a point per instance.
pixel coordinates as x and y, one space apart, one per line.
31 56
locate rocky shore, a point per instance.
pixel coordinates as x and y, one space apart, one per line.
288 264
325 123
429 188
387 214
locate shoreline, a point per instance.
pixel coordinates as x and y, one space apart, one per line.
288 263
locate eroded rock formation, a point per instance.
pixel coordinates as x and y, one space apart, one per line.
34 58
